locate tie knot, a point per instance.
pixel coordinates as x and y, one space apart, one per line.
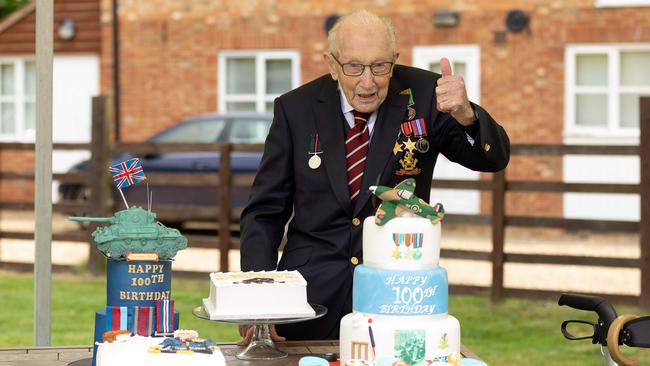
360 117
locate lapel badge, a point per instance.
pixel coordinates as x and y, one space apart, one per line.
409 165
315 149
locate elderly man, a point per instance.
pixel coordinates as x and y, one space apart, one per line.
368 122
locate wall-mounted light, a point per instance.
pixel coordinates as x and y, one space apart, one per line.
517 20
445 18
330 21
67 29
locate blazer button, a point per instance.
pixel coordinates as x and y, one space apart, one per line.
486 147
356 221
354 260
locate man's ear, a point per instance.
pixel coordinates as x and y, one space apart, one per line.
334 71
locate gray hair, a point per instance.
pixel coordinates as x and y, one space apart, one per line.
360 17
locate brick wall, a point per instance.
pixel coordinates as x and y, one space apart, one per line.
170 55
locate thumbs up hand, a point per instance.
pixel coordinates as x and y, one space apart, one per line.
451 95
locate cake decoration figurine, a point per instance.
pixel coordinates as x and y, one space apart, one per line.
135 230
401 200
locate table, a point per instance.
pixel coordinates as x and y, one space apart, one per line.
82 356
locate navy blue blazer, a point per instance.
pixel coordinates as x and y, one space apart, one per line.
322 237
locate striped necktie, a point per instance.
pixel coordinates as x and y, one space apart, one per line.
356 149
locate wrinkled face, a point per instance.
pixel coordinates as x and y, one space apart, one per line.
362 45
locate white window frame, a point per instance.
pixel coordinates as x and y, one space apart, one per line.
261 56
19 99
620 3
470 54
612 133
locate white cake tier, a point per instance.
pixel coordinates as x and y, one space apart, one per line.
257 295
405 243
415 340
134 353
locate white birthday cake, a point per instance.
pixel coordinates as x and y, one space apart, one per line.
257 295
138 351
399 296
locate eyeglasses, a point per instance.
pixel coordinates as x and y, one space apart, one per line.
353 69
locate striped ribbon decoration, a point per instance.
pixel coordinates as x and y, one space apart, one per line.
142 320
164 316
116 318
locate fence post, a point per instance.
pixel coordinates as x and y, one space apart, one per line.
644 152
498 233
224 205
98 170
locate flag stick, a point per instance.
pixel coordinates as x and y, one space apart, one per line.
122 194
372 339
148 197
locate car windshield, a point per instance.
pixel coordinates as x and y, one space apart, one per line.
194 131
249 131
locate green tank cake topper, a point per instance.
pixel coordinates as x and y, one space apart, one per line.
400 200
135 230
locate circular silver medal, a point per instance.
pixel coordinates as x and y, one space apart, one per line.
411 113
314 161
422 145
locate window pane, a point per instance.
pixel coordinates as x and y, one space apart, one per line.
30 115
278 76
629 110
591 110
7 79
249 131
635 68
200 131
457 68
240 76
269 106
240 106
591 70
30 78
7 118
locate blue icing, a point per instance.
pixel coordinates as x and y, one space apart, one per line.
472 362
137 283
397 292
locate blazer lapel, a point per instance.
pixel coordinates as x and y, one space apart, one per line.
385 132
329 124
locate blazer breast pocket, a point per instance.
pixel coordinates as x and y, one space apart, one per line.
294 258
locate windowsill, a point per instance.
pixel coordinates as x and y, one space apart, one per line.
601 139
620 3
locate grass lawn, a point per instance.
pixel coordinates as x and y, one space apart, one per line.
515 332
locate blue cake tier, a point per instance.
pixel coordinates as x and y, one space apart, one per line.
400 293
137 283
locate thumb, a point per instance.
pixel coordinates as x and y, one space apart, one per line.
445 67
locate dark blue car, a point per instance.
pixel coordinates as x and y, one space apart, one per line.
234 127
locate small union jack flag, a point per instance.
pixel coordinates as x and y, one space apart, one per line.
127 173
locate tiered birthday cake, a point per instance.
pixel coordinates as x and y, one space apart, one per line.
399 296
139 252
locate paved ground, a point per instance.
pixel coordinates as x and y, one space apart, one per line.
528 276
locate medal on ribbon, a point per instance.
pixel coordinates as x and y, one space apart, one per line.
315 150
420 130
410 111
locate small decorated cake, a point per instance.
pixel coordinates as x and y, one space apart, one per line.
399 295
179 350
257 295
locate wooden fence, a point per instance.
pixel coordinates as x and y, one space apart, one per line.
227 218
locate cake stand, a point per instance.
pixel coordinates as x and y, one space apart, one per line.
261 346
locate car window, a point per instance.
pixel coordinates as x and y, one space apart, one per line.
194 131
249 131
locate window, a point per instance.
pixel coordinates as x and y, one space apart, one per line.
249 131
465 61
603 88
251 80
17 98
193 131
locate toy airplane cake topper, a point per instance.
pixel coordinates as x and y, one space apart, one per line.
400 200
